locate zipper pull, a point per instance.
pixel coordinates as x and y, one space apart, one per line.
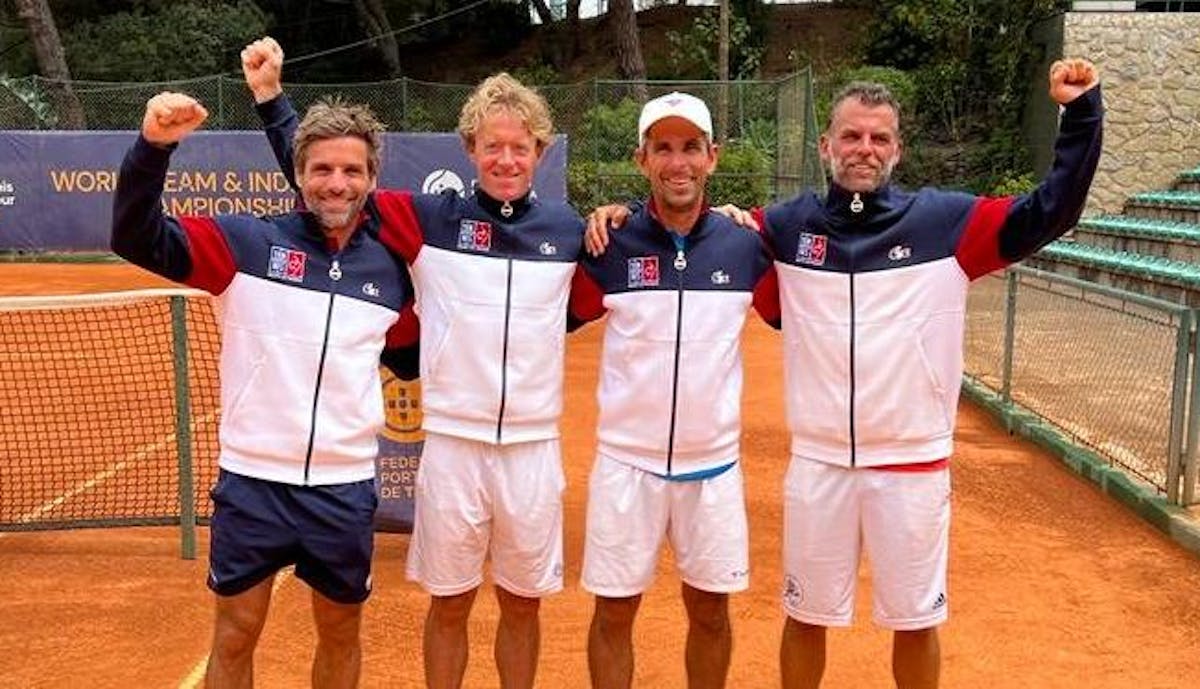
680 260
856 205
335 271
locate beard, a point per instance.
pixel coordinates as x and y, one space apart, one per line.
882 176
335 220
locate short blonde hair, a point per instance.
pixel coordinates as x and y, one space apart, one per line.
333 118
504 93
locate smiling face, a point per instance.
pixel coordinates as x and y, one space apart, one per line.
505 154
862 145
335 182
677 158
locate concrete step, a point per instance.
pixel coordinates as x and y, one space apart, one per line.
1175 281
1177 241
1175 206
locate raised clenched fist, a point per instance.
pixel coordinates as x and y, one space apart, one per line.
262 65
170 117
1069 79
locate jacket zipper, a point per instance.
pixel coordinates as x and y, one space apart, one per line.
680 266
856 207
504 351
335 274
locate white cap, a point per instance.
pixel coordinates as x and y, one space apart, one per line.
675 104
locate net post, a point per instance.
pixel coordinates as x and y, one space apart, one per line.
1179 398
1010 330
183 431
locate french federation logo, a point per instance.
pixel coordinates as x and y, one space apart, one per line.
475 235
286 264
643 271
811 249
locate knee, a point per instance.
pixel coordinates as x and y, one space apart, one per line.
708 611
451 611
236 635
615 615
518 608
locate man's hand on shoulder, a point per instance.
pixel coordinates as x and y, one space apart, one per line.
1070 79
740 216
262 65
598 223
170 117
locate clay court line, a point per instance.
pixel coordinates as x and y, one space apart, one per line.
142 453
196 676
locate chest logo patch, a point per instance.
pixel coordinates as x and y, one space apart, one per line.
643 271
810 250
286 264
720 277
475 235
900 252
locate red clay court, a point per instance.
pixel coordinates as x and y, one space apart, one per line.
1052 584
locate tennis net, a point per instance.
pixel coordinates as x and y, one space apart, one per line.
108 409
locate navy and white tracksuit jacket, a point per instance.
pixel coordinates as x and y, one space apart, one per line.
303 326
874 299
671 371
492 295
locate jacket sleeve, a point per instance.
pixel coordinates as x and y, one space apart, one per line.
280 121
586 302
402 350
1001 231
191 250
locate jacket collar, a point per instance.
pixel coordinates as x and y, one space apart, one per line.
853 205
697 228
496 208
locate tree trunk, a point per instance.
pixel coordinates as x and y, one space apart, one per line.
630 64
723 74
52 61
545 16
375 22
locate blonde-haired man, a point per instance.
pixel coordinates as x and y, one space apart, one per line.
493 272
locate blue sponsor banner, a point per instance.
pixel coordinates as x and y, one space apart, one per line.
400 447
56 188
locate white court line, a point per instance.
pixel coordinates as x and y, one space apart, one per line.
142 453
196 676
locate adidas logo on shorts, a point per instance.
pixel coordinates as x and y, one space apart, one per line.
940 602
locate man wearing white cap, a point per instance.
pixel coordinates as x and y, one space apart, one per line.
677 284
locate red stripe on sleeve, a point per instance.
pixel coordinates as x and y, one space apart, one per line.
979 247
586 303
400 229
766 297
760 217
405 331
213 266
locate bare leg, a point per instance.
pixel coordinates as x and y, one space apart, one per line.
610 642
518 638
338 660
916 659
802 655
239 622
446 640
709 639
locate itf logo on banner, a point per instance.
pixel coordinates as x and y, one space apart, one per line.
475 235
643 271
286 264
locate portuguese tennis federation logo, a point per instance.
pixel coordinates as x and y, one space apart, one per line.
402 409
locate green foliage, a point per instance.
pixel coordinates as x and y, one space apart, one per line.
179 40
969 61
537 74
25 92
608 132
595 183
743 176
1014 185
693 53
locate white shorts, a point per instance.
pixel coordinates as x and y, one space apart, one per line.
475 499
630 511
902 519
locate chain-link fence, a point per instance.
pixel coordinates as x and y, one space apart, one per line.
1111 370
767 128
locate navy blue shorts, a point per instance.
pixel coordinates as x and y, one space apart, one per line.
258 527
